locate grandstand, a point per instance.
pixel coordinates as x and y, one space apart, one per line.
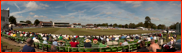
89 26
45 24
76 25
61 24
66 48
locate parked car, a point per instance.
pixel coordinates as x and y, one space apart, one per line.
177 45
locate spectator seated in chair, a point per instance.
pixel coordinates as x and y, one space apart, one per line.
124 43
27 47
153 46
74 43
103 44
87 44
142 47
53 48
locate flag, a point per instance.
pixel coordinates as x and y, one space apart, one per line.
7 8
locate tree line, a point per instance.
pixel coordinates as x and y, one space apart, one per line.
12 20
147 24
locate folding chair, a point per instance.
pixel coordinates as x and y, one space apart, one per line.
120 48
131 47
67 49
74 49
101 49
40 46
114 49
36 44
135 46
81 49
61 49
88 49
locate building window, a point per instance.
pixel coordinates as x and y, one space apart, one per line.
2 18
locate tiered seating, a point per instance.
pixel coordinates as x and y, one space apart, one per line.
67 48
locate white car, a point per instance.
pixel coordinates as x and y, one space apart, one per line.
169 31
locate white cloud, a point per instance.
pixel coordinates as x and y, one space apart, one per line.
19 12
154 18
29 18
17 6
136 18
165 18
36 16
109 17
99 11
171 3
149 8
108 13
31 13
72 17
19 16
174 4
32 5
119 13
58 6
12 2
102 13
63 16
29 7
135 3
44 5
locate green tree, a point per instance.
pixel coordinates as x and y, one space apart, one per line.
36 22
22 21
160 26
95 25
28 21
120 26
126 26
132 25
153 26
147 22
115 25
110 25
140 24
104 24
98 24
12 20
173 26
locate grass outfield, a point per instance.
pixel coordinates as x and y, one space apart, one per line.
81 31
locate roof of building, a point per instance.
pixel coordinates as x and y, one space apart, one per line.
22 23
77 23
45 22
61 22
89 24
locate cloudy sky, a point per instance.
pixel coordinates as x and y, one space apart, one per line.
120 12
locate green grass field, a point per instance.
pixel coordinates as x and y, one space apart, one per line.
81 31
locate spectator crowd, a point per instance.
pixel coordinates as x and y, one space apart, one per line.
103 41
